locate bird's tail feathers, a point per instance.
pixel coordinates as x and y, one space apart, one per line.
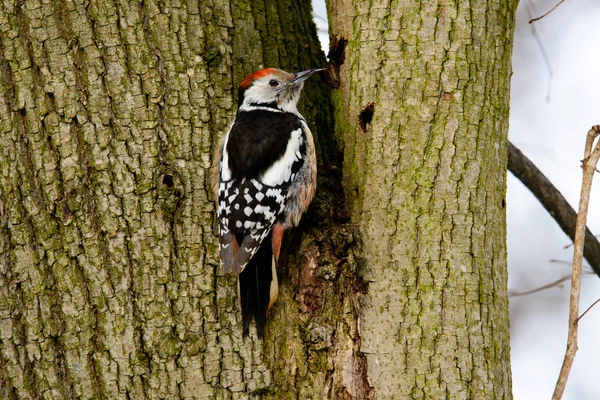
258 287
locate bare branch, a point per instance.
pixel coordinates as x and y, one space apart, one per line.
556 283
588 309
542 50
553 201
571 244
552 9
590 161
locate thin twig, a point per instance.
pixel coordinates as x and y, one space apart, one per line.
542 50
591 156
571 244
556 283
552 9
317 16
555 261
588 309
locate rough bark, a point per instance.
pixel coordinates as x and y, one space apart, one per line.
109 281
422 115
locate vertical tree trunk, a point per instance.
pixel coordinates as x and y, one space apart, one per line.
109 283
425 183
109 279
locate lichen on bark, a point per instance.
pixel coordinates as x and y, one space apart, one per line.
109 273
425 185
110 112
109 278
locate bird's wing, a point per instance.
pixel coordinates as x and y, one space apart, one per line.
248 208
247 211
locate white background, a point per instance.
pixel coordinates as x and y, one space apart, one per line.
555 99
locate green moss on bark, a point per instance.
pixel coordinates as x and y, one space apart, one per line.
109 115
425 184
110 285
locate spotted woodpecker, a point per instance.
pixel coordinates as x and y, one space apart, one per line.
264 181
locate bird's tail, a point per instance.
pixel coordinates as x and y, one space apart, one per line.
258 288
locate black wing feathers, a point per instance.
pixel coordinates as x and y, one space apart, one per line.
257 140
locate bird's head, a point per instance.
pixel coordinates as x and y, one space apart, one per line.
273 88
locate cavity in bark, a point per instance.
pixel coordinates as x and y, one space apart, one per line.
366 115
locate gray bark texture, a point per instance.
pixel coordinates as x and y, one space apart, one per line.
110 110
425 182
110 284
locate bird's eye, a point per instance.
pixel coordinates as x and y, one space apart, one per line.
273 83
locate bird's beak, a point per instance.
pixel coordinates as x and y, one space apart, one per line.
300 77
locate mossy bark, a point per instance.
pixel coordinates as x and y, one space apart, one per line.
109 277
109 114
425 181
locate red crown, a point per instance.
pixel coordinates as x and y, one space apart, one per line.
247 82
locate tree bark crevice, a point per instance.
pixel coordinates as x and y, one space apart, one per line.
425 184
110 285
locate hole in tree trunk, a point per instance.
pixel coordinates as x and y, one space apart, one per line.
366 115
168 180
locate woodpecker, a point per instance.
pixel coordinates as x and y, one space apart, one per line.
264 181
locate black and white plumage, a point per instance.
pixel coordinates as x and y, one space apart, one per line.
265 180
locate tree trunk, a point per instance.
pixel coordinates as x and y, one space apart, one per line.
109 278
110 286
425 180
